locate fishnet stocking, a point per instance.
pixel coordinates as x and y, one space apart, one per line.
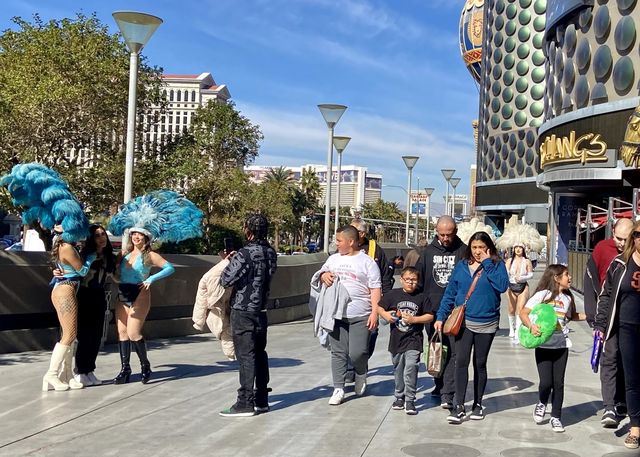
65 302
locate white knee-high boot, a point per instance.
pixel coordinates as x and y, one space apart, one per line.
512 326
51 379
66 373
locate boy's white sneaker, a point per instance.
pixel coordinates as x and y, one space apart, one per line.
337 397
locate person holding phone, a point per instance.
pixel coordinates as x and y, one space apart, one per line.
482 316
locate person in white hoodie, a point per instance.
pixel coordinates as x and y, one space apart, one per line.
212 307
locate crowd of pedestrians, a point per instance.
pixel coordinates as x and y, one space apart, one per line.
354 289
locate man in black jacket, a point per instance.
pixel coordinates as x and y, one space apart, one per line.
435 266
249 273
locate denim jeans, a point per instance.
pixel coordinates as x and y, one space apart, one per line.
250 340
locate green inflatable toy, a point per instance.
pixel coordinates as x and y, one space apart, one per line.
544 316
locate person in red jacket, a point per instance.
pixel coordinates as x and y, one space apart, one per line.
611 373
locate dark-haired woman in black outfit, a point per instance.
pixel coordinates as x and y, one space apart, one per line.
92 303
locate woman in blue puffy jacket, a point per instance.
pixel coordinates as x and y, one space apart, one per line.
481 319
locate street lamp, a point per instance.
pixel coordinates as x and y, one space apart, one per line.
454 184
340 143
447 173
429 191
415 234
410 162
136 29
331 115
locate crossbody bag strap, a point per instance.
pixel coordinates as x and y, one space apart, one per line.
472 287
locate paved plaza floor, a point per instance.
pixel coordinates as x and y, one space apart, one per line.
176 414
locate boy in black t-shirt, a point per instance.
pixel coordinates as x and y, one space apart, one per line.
407 311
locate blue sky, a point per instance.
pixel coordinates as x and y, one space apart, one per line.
394 63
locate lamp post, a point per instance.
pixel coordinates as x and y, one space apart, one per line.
136 29
331 115
429 191
447 173
454 184
340 143
415 235
410 162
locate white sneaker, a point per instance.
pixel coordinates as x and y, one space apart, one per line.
337 397
538 413
82 379
361 384
556 425
512 332
94 380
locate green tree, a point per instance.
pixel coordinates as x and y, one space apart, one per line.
63 88
277 192
383 210
207 161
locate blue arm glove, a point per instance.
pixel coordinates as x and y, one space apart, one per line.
86 265
166 270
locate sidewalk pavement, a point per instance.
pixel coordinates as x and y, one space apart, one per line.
176 414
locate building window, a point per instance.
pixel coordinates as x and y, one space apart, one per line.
193 95
171 95
179 95
164 94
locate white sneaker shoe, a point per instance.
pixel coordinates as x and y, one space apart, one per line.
538 413
512 332
94 380
361 384
337 397
556 425
83 379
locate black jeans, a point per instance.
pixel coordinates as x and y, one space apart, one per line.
481 344
552 365
612 374
629 342
446 383
92 305
250 340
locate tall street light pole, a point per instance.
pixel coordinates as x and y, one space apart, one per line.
136 29
415 235
410 162
447 173
429 191
340 143
454 184
331 115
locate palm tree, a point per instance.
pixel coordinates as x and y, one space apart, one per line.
280 183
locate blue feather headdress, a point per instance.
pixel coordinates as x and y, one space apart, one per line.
47 199
162 215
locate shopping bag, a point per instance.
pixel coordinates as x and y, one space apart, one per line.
435 355
596 350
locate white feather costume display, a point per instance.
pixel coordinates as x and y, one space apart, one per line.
466 229
518 234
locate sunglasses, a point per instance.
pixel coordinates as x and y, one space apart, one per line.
635 235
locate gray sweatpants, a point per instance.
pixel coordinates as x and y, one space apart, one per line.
405 371
349 340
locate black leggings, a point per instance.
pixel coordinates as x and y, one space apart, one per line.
628 344
552 364
92 305
481 343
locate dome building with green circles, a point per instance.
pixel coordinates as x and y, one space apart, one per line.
512 91
559 82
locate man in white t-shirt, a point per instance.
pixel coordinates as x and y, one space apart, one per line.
360 276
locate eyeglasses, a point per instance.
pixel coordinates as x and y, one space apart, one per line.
635 235
410 281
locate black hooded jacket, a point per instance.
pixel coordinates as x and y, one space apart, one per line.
435 265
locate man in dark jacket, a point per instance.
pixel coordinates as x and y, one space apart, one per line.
435 266
611 374
250 272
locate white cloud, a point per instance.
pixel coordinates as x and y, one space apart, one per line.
297 136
